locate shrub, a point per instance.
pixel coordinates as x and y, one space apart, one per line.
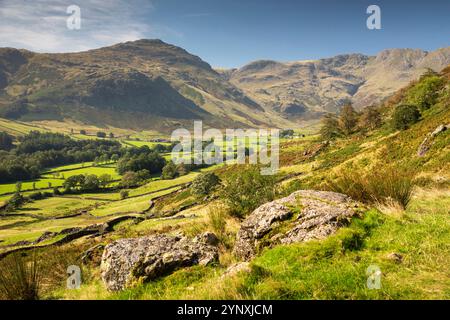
205 183
424 94
124 194
15 202
330 127
169 171
370 118
246 189
19 279
404 116
380 185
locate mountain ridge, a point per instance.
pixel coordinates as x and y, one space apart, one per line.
151 84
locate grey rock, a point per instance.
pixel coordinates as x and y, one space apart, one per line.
127 261
304 215
396 257
428 141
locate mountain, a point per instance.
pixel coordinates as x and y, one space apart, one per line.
305 89
143 84
149 84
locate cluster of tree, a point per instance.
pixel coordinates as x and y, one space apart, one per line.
6 141
134 179
137 159
288 133
350 121
37 151
89 182
245 189
205 183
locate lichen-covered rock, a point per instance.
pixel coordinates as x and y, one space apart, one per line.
126 261
428 141
302 216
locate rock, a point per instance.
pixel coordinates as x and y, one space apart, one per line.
92 253
428 141
45 236
302 216
126 261
208 238
237 268
396 257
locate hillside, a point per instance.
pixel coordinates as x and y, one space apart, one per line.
309 243
306 89
141 84
148 84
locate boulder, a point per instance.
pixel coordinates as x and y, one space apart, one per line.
429 139
302 216
127 261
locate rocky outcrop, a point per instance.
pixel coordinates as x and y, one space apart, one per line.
127 261
428 141
302 216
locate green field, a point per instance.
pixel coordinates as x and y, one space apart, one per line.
56 177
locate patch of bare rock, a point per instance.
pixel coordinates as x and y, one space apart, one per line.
127 261
304 215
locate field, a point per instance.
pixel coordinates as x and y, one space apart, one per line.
55 177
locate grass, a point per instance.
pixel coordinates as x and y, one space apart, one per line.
56 206
20 279
57 175
381 185
331 269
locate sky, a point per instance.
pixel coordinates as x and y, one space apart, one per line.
229 33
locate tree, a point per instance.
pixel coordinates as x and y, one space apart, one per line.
289 133
15 201
111 135
18 187
90 183
169 171
425 93
83 132
124 194
404 116
330 127
101 134
130 179
6 141
182 169
348 119
73 182
205 183
104 180
115 157
370 118
246 189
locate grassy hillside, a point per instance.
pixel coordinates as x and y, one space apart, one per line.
409 244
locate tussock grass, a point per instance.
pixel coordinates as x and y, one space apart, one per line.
20 278
389 186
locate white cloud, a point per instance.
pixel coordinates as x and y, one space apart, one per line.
40 25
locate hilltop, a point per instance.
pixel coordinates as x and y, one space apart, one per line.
149 84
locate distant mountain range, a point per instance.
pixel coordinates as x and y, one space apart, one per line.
148 84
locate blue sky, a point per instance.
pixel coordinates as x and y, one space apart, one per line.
229 33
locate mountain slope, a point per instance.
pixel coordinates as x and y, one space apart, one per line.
144 83
308 88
